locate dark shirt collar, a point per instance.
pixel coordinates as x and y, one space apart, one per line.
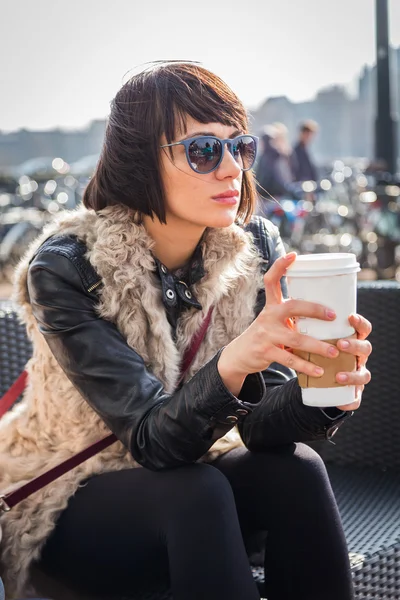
176 285
194 270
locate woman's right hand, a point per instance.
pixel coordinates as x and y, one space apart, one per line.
271 337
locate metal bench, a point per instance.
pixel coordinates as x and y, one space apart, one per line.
364 463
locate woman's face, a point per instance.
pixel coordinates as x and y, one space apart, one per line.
192 198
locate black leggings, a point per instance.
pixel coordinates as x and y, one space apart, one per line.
188 526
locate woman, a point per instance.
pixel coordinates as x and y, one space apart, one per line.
162 228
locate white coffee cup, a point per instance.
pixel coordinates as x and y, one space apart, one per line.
331 280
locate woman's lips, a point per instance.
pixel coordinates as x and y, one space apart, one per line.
228 197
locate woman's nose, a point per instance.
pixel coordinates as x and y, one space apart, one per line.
228 167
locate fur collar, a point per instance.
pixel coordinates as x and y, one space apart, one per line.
120 250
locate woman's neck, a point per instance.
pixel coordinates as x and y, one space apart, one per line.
175 242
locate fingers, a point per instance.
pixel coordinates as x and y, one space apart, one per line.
362 326
296 363
353 406
357 401
359 391
358 378
272 278
303 308
360 348
299 341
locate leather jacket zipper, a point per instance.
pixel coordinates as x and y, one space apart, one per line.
94 286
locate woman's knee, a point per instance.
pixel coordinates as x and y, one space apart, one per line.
200 486
294 467
307 473
309 462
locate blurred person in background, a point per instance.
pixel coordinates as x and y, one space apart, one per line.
283 164
303 167
112 294
274 174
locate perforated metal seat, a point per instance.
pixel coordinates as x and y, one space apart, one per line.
15 348
369 504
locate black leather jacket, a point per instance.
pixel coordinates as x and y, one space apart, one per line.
160 430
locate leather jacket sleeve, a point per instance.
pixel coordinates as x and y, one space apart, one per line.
281 417
160 430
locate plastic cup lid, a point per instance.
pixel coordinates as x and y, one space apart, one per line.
309 265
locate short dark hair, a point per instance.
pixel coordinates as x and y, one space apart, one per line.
309 125
152 103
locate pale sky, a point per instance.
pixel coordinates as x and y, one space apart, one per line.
62 61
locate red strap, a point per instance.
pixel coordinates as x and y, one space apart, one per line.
12 394
9 500
195 343
12 498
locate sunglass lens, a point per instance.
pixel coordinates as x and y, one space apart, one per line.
245 150
204 154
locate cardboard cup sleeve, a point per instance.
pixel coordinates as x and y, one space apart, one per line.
332 366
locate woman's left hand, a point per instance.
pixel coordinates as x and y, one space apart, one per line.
361 348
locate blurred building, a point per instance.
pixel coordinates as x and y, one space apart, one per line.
346 122
23 145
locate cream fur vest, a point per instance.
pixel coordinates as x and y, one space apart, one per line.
53 421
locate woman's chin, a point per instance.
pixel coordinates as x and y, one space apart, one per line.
221 218
207 218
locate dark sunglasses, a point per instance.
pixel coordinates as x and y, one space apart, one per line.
205 153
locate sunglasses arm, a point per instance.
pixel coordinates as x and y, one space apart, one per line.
168 145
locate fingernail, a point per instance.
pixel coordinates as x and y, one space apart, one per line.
333 351
318 371
356 318
330 314
344 344
342 377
